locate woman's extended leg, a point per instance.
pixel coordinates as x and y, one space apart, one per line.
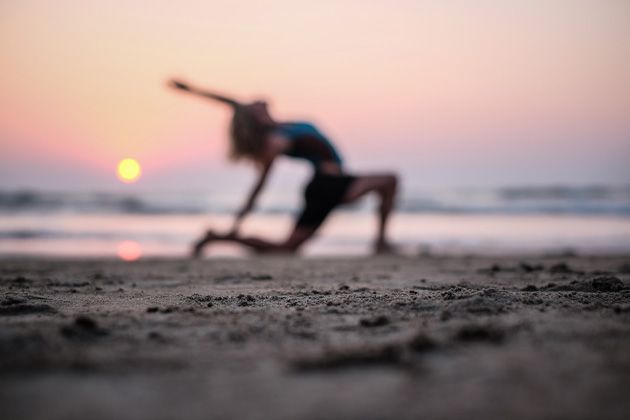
290 245
385 185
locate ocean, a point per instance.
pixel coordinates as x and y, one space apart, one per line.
552 219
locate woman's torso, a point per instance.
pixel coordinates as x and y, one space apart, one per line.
305 141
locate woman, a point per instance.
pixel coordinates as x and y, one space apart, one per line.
256 136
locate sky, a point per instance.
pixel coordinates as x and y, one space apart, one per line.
446 92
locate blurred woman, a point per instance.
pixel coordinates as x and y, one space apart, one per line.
257 137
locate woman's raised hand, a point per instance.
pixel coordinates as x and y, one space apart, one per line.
178 84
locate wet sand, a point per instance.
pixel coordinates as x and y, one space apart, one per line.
363 338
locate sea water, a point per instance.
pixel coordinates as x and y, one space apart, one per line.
532 220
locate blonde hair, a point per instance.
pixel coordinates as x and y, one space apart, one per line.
247 134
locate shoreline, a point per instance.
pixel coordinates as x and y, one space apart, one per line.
344 234
252 257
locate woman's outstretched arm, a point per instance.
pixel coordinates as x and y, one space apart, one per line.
177 84
253 195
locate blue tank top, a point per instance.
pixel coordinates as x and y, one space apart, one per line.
308 143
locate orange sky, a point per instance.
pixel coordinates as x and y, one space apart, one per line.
454 92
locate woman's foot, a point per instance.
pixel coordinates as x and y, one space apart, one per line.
385 248
198 246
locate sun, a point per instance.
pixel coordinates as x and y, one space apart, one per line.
129 170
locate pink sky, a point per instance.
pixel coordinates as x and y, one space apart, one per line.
447 92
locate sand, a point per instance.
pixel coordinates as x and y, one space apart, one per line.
282 338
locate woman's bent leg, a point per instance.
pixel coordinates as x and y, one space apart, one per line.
385 185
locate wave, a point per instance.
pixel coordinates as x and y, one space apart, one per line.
103 235
99 203
604 200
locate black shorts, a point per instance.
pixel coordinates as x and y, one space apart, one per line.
322 194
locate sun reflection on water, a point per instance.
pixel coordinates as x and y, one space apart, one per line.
129 250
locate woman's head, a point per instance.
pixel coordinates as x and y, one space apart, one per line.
260 110
249 129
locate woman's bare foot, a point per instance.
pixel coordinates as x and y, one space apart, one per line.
198 246
385 248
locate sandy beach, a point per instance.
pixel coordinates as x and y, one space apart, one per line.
282 338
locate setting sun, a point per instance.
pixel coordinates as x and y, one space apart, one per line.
129 170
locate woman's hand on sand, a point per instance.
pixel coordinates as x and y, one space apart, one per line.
233 233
